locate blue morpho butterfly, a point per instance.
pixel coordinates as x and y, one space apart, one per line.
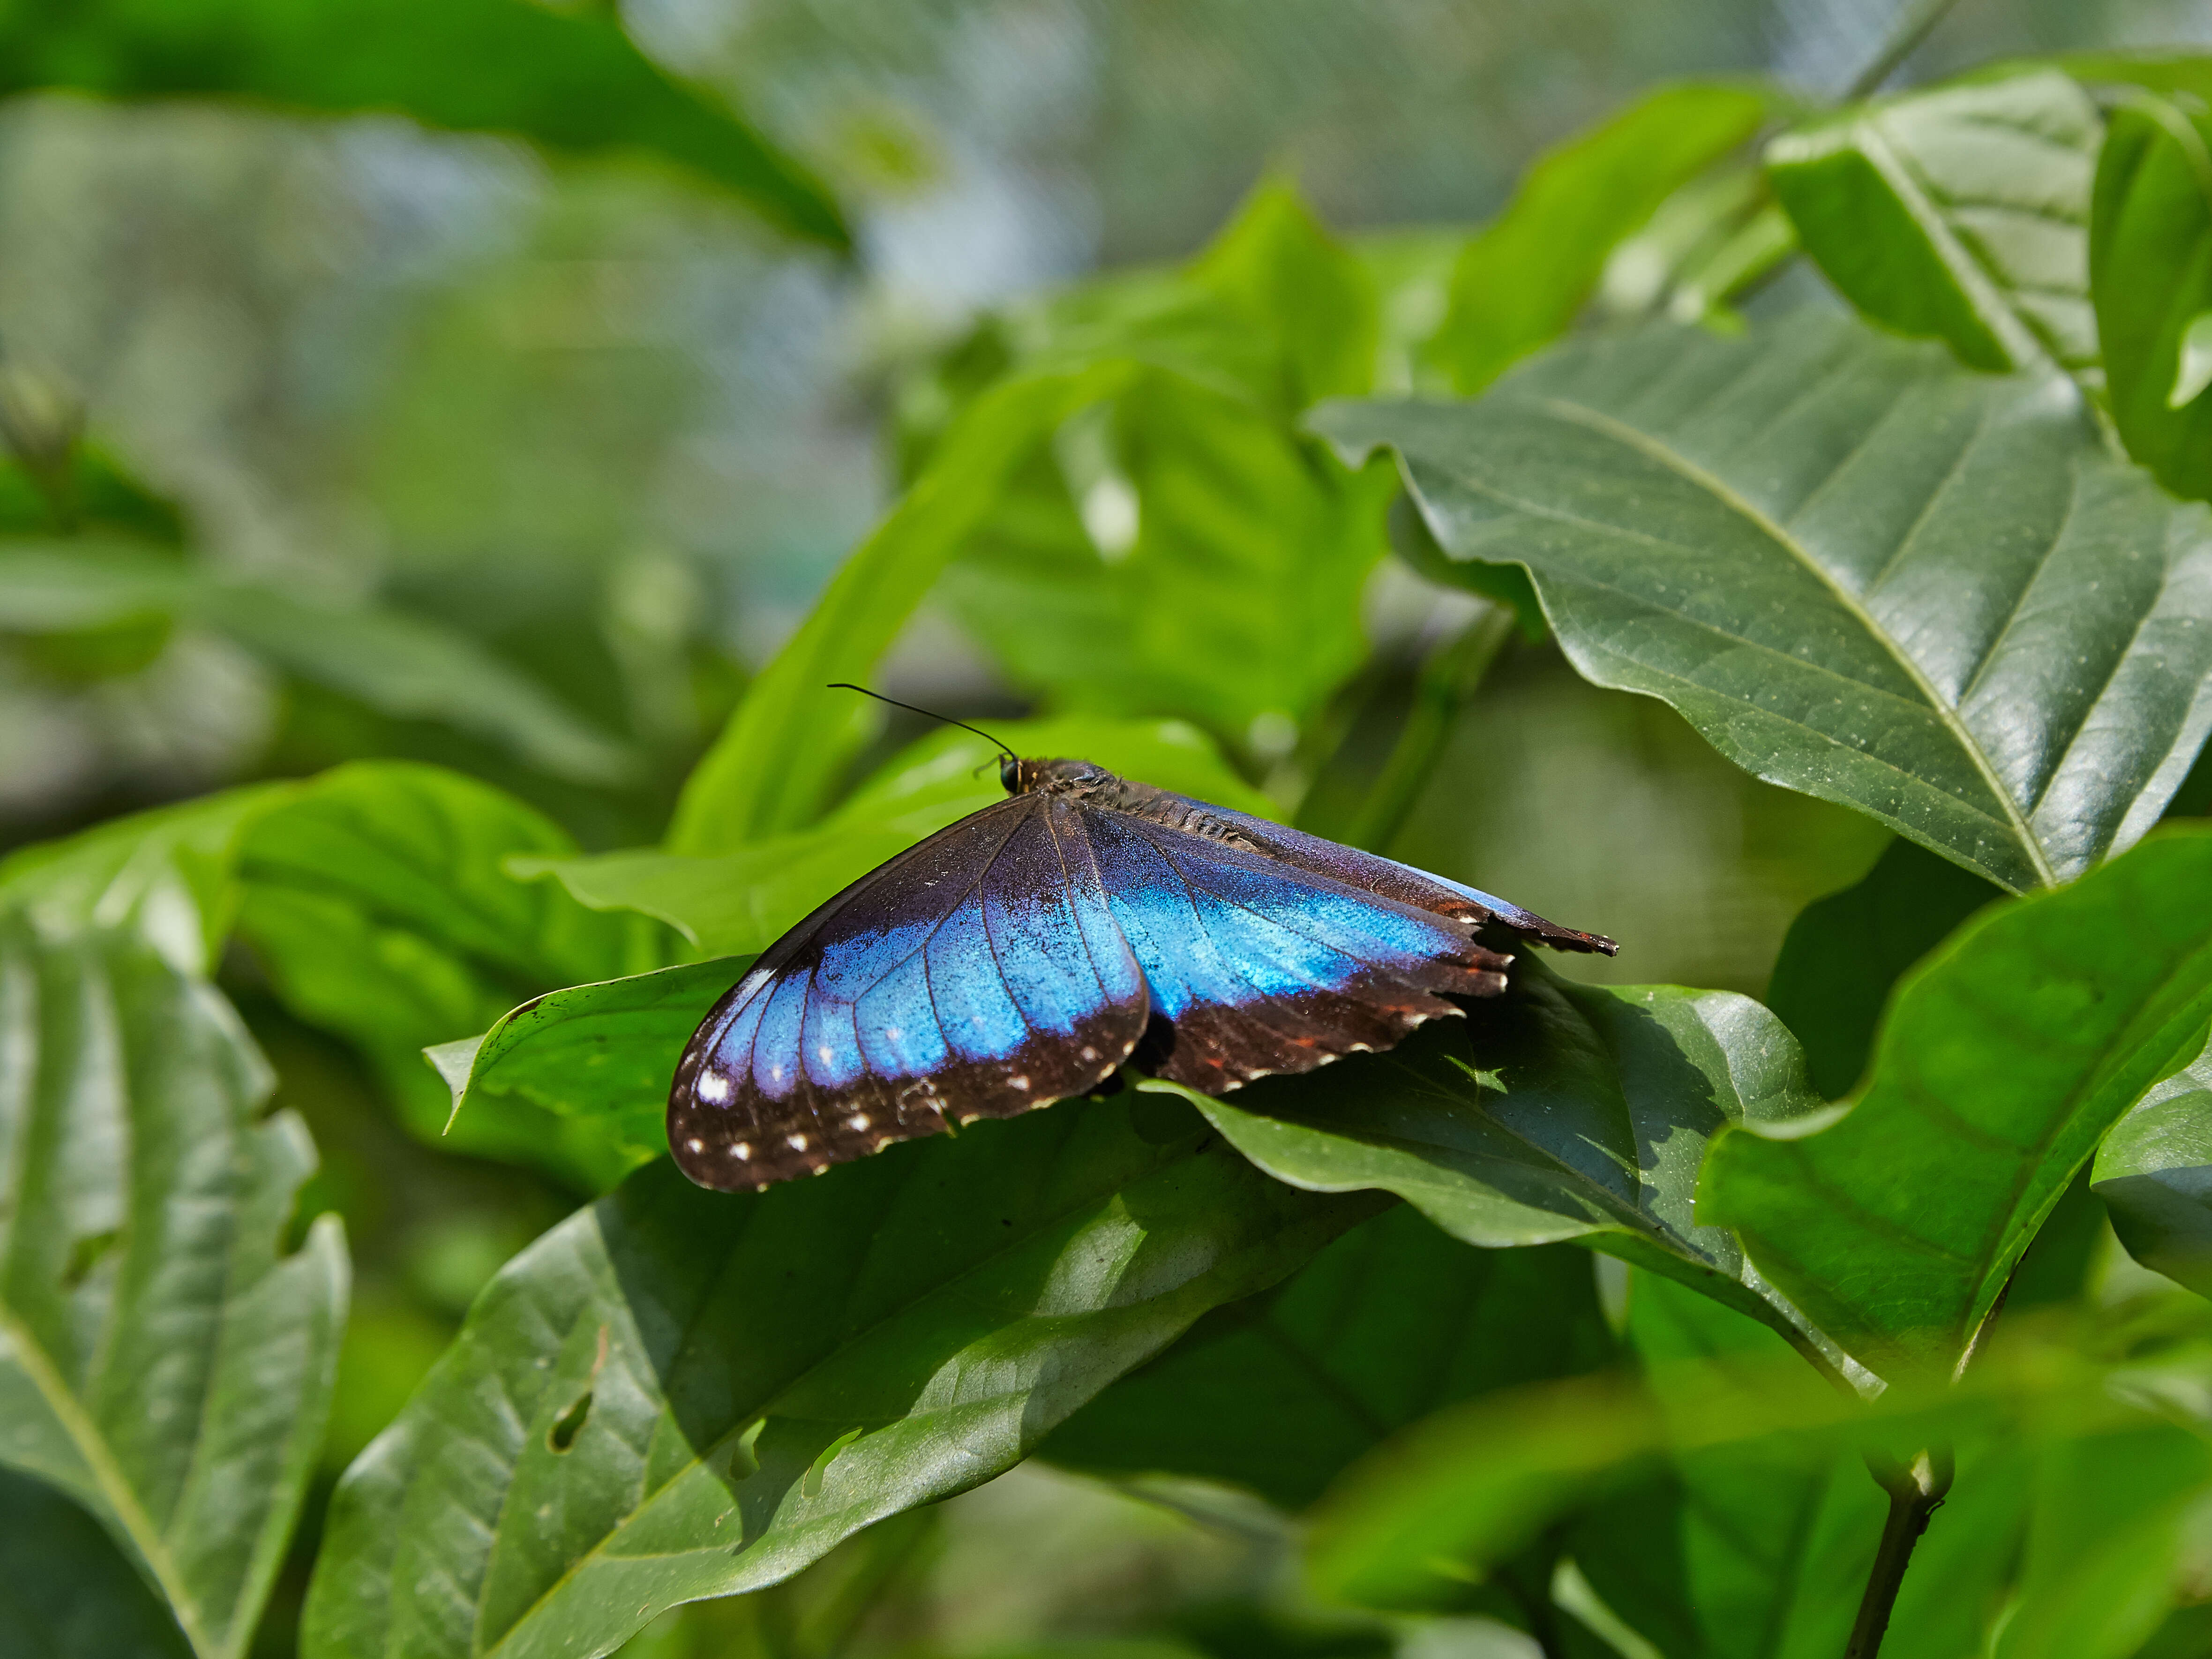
1027 952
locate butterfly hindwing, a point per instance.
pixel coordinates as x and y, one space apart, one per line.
1255 966
979 974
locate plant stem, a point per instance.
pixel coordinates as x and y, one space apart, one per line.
1916 1493
1916 19
1447 680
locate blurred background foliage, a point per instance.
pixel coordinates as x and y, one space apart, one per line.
297 387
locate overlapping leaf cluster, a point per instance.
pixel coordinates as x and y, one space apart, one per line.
1961 583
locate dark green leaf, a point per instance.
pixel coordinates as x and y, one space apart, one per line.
160 1361
1960 213
2002 1062
568 79
2156 71
1557 1111
1521 280
2155 1174
1858 570
777 763
748 1379
65 1591
741 900
377 903
1843 953
603 1052
2150 253
1280 1393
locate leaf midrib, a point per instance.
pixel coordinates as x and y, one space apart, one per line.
1650 447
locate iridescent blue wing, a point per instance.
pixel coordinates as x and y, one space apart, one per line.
1256 966
978 974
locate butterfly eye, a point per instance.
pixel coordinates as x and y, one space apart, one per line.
1010 775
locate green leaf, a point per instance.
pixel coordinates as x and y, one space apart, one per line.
2193 371
568 79
1860 571
1961 212
65 1591
777 763
2154 1173
2150 260
1280 1393
1277 266
2002 1062
161 1361
169 874
1521 280
396 664
743 900
638 1411
377 903
602 1052
1844 952
1557 1111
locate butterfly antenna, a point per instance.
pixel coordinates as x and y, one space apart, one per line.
927 714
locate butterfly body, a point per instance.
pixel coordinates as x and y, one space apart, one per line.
1027 952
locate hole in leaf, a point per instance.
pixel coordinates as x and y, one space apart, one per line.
86 1253
570 1424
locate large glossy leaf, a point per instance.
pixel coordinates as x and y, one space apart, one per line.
1521 282
2150 253
1961 212
1280 1393
1844 952
602 1052
778 762
1859 570
396 664
162 1361
570 80
376 902
2154 1173
1557 1111
741 900
66 1592
2003 1060
679 1393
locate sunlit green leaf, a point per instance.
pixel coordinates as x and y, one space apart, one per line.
1858 570
2150 253
1557 1111
2193 370
161 1360
2154 1173
377 903
778 762
2003 1060
1960 212
1280 1393
1521 280
568 78
680 1394
741 900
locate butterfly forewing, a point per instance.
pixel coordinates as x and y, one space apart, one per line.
979 974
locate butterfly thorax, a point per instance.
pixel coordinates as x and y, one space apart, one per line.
1089 785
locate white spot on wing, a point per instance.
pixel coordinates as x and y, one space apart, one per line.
797 1143
713 1088
1019 1082
696 1146
743 1149
857 1122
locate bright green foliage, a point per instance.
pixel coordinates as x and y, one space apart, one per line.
162 1360
377 903
1557 1111
738 902
1522 279
1844 952
1961 212
2151 263
396 664
601 1055
1859 571
2002 1062
567 79
680 1394
2154 1173
1280 1393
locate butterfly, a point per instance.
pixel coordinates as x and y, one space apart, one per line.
1029 952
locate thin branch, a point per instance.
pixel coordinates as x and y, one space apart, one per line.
1916 1493
1914 23
1447 680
